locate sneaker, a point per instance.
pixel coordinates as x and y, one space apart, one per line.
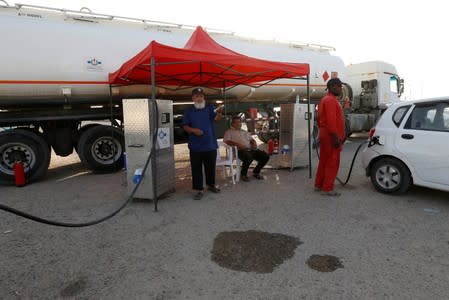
331 194
198 195
214 189
244 178
258 176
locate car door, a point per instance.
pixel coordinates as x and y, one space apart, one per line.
424 141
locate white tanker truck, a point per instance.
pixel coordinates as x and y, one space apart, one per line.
54 79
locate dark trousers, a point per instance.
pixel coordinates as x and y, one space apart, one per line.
197 160
247 157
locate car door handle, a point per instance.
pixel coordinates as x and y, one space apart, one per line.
408 136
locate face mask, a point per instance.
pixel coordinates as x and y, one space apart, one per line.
200 105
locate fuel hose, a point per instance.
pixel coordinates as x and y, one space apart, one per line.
348 177
155 111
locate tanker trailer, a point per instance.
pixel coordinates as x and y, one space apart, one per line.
54 92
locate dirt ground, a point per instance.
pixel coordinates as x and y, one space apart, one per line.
390 247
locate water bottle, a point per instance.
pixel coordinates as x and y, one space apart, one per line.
137 175
285 150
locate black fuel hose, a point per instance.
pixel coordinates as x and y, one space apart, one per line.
107 217
348 177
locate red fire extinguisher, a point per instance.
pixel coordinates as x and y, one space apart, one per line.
19 174
270 146
276 146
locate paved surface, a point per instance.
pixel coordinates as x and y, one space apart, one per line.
391 247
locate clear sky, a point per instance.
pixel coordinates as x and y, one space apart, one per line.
410 35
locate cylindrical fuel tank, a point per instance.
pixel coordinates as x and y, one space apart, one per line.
56 54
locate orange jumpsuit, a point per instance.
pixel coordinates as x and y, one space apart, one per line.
330 120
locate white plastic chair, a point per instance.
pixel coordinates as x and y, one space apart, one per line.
231 160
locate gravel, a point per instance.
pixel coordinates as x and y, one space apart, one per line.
391 247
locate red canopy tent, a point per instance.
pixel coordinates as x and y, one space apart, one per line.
202 62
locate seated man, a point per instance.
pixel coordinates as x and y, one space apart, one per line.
247 149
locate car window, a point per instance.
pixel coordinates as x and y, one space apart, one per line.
433 117
441 120
446 118
399 114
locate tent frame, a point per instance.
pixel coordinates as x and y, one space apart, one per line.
153 64
184 85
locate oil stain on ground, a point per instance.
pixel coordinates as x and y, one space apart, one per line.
253 251
74 288
324 263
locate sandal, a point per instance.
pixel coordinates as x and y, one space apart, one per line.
331 194
214 189
258 176
198 195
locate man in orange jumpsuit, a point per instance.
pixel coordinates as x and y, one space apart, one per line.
332 136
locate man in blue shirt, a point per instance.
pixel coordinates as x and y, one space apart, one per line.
198 122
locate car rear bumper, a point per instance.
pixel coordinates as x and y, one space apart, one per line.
368 154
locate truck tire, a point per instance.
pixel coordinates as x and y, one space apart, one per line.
81 131
390 176
346 92
101 147
25 146
264 137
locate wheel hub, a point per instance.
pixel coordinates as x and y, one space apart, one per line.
12 153
388 177
106 149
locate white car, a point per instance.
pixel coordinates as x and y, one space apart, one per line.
410 145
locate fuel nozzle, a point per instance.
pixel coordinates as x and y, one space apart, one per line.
373 141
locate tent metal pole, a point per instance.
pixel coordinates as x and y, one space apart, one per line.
224 99
155 120
111 112
308 126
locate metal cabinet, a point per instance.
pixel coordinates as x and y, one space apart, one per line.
294 135
139 121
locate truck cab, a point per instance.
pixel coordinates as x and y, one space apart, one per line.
375 86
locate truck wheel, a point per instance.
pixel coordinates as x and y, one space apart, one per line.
346 92
266 136
22 145
390 176
81 132
100 149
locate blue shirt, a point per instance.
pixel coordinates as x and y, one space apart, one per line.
204 120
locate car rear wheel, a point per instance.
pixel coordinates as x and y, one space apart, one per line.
390 176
